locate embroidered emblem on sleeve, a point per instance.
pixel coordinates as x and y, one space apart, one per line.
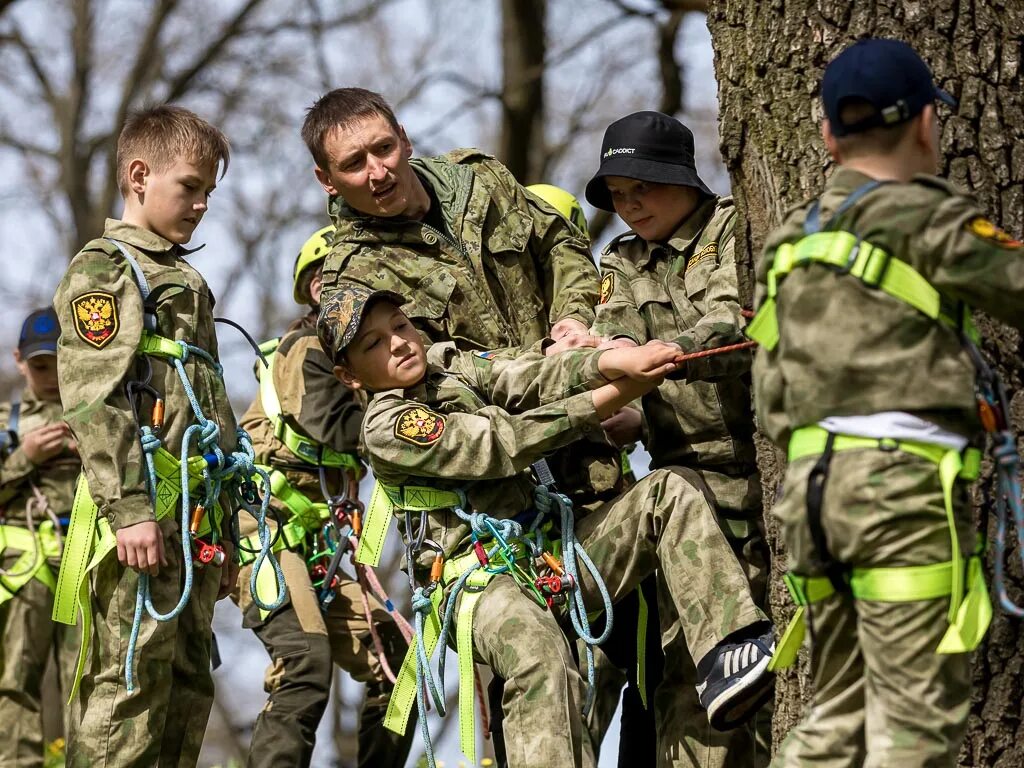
419 426
488 355
981 227
708 251
607 286
95 315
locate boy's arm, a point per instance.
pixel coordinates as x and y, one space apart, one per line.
721 323
768 384
323 408
405 438
567 271
618 316
973 260
100 311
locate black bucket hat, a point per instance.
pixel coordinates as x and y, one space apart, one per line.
649 146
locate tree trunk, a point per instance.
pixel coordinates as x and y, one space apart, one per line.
769 58
522 90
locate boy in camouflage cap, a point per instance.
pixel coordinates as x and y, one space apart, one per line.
865 375
446 421
37 484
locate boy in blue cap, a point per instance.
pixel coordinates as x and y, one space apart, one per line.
866 375
39 465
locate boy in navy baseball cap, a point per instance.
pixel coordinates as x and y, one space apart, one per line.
864 376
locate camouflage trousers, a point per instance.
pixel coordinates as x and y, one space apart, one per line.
30 640
304 646
664 523
882 696
163 722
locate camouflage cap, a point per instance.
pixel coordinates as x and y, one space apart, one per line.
342 313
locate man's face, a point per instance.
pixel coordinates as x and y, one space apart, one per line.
654 211
387 353
40 374
173 201
369 167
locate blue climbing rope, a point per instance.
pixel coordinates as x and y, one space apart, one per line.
238 467
1009 502
503 532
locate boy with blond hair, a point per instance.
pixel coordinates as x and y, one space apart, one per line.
137 335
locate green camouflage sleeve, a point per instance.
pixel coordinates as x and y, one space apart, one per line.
530 380
617 312
967 257
721 323
405 438
100 311
567 270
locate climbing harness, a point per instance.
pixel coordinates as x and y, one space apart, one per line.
170 481
498 546
970 607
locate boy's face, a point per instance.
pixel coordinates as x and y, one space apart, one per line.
387 353
369 167
40 374
171 202
654 211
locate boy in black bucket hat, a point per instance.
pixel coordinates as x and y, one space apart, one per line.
673 278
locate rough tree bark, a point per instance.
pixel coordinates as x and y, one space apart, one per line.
769 58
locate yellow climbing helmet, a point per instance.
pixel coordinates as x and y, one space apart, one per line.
313 252
563 202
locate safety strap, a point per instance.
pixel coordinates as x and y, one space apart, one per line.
873 266
403 696
35 548
969 613
90 539
641 646
305 516
383 502
305 448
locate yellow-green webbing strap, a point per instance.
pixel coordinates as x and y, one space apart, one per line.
159 346
874 266
403 696
31 564
304 517
475 584
383 502
969 614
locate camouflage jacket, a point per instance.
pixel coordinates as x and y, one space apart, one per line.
509 267
686 291
846 349
55 478
479 424
314 403
100 309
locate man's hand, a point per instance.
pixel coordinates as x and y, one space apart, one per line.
46 442
228 571
568 327
141 547
623 427
651 362
575 341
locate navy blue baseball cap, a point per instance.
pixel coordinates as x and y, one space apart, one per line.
39 334
649 146
888 74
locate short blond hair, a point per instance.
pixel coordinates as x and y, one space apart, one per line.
163 134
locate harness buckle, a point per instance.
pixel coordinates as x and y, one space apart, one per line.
888 444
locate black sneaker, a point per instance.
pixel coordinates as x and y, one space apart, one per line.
736 680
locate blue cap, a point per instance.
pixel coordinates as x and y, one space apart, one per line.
39 334
888 74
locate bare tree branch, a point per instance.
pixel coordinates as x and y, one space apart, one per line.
669 68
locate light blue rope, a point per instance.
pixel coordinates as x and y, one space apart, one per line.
1009 501
238 466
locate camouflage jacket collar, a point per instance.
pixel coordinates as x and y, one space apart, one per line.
685 235
143 239
451 183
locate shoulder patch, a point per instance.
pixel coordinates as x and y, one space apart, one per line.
981 227
95 315
419 426
486 355
607 286
708 251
